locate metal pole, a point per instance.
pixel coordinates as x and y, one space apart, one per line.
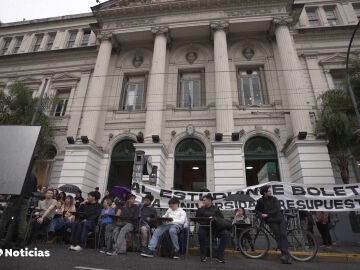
349 87
38 103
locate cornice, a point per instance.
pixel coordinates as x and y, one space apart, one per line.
127 8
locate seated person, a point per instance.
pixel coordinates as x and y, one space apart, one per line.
111 230
90 211
148 216
178 216
239 218
129 219
209 210
45 215
66 217
61 197
105 218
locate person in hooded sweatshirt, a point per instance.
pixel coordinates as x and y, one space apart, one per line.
268 208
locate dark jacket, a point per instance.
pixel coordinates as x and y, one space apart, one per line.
78 201
148 215
220 222
212 211
91 211
271 207
130 214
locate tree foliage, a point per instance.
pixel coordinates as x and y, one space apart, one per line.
18 107
338 122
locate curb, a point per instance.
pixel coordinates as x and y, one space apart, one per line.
336 257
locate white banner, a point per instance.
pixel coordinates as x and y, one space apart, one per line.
291 196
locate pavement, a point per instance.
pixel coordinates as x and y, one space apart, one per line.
62 259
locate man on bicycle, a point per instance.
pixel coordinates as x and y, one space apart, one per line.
268 208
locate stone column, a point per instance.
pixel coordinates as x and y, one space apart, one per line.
224 110
94 99
293 76
156 88
78 103
316 76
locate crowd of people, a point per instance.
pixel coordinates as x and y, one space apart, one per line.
116 219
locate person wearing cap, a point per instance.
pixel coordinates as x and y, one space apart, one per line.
129 219
148 216
178 216
209 210
268 208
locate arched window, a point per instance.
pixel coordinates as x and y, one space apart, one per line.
261 161
190 165
121 167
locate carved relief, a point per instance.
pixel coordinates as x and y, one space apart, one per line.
248 53
191 57
138 61
104 36
220 25
159 30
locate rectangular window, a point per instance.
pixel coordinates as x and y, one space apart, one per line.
331 15
50 41
61 103
250 89
356 7
71 40
338 79
134 93
18 42
37 44
312 17
85 38
191 91
5 46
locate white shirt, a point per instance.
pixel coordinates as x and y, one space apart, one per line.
178 216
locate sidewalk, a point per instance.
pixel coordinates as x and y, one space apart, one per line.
346 253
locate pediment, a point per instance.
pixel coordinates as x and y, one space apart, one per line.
336 59
119 3
65 77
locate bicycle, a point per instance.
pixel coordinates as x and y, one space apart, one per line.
255 241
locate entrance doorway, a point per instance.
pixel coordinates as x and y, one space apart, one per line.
121 168
190 165
261 161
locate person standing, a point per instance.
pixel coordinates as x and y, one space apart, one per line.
178 216
209 210
322 223
22 204
268 208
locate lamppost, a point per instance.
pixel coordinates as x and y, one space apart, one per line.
349 87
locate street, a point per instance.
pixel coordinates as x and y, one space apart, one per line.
62 259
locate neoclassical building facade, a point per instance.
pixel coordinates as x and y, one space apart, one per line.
221 94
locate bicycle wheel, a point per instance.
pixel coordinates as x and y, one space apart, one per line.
254 243
302 245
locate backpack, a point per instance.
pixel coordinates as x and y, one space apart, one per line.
166 246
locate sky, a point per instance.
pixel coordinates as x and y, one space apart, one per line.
17 10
